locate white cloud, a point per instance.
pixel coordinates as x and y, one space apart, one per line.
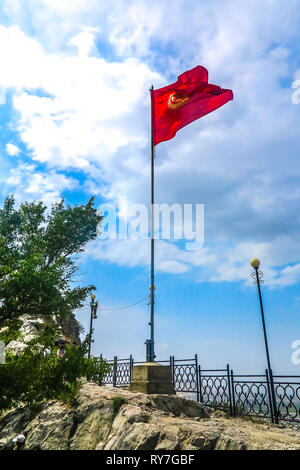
241 162
218 265
30 184
64 5
280 53
136 253
84 41
12 150
235 263
92 106
288 276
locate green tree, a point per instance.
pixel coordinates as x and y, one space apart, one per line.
37 373
38 254
38 259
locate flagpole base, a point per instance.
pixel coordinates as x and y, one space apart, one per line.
152 378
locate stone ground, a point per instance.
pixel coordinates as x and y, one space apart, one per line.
107 418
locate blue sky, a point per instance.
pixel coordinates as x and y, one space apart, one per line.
75 76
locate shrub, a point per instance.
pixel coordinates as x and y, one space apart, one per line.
32 376
117 402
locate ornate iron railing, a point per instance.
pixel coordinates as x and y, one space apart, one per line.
119 372
251 396
287 397
273 397
185 375
215 388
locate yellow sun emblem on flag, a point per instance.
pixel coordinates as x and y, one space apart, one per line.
177 99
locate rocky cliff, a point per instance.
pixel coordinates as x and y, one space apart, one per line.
68 332
107 418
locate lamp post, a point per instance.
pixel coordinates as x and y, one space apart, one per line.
257 276
94 307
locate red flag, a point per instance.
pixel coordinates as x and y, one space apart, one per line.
186 100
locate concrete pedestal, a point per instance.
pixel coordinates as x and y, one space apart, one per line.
152 378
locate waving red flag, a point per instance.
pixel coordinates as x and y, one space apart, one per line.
190 98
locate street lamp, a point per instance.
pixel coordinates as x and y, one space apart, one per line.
94 307
257 276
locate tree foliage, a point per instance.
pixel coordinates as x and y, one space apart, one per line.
38 260
38 374
38 252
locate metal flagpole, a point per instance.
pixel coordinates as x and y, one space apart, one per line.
150 355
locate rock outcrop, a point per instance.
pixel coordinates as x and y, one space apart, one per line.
107 418
68 332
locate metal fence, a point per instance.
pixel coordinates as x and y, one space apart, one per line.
273 397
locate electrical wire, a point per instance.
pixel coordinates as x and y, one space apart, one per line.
104 309
123 308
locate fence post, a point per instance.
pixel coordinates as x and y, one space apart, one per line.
229 389
273 397
100 381
200 384
130 367
233 394
115 371
197 377
173 371
270 396
171 365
